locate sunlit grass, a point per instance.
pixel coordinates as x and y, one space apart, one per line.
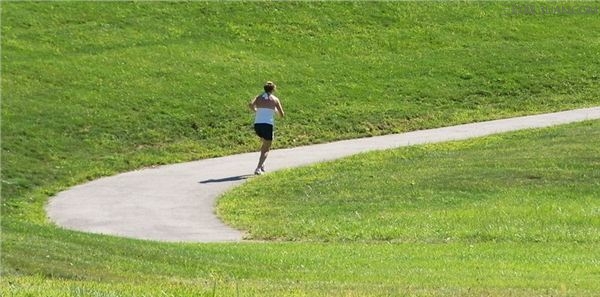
489 189
91 89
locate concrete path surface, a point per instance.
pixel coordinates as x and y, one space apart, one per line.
176 202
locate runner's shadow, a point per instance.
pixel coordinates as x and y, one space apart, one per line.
225 179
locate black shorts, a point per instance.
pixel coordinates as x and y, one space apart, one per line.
264 131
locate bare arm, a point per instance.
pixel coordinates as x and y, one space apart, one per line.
280 109
252 104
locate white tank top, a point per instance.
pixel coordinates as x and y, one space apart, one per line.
265 115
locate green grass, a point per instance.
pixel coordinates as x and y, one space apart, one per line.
470 191
95 88
64 262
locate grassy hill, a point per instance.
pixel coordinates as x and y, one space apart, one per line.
483 190
94 88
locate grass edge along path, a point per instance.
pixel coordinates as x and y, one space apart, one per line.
471 268
188 205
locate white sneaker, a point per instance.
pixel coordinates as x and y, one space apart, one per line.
258 171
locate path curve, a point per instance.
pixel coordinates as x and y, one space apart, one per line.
175 203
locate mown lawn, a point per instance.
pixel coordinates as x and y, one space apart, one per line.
541 186
95 88
533 232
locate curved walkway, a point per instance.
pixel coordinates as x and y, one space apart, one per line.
176 202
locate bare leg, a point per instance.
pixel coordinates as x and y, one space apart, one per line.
264 152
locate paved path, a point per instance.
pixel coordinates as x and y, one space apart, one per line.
176 202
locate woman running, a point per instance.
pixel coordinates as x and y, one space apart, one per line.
265 106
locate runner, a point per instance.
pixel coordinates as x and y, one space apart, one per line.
264 106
